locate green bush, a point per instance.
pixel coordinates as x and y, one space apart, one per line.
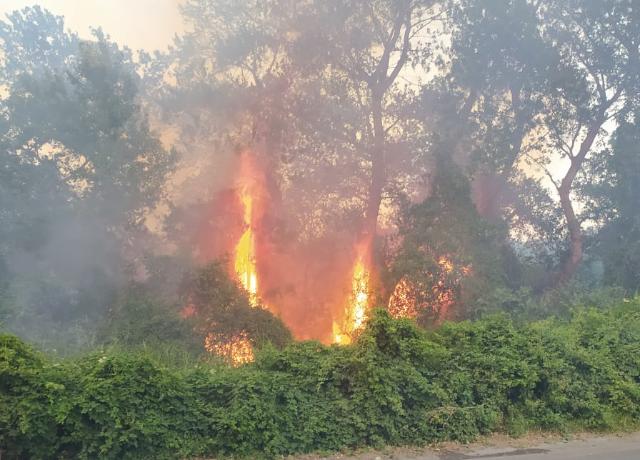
33 400
137 317
222 307
397 384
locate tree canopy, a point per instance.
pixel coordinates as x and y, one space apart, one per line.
498 138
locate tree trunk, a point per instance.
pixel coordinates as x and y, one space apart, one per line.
379 82
378 170
491 188
575 237
572 262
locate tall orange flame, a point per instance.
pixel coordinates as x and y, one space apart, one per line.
245 251
355 313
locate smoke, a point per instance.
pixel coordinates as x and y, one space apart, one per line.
308 137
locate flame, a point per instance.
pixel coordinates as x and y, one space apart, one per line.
236 350
245 251
250 191
445 264
355 313
407 300
360 300
402 303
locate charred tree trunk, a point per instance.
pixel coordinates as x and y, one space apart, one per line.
378 170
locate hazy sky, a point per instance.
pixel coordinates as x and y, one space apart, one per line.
148 24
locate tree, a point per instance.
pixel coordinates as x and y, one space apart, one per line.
499 72
449 256
598 44
614 204
587 76
81 166
373 44
485 108
321 86
220 307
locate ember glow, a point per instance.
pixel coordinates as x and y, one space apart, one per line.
445 264
235 350
355 312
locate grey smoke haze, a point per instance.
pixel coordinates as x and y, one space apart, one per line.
354 113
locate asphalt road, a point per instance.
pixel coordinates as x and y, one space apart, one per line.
603 448
587 447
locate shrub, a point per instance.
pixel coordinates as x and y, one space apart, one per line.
137 317
397 384
221 306
32 398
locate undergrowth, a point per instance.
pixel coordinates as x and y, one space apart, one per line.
396 385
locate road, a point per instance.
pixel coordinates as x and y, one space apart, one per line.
599 448
584 447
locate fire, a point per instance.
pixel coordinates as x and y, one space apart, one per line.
445 264
300 281
355 313
245 251
402 303
438 294
360 299
250 191
236 350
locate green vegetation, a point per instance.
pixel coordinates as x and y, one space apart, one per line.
471 160
396 385
506 147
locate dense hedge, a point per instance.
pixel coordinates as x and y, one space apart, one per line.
396 385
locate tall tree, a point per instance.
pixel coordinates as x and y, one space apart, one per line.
613 204
500 65
584 74
598 44
371 46
299 67
81 166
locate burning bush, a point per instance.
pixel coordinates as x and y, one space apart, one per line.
227 317
449 256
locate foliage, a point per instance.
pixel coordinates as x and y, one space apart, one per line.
449 254
80 168
220 306
539 82
139 318
524 305
395 385
612 201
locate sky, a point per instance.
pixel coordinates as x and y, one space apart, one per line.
138 24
